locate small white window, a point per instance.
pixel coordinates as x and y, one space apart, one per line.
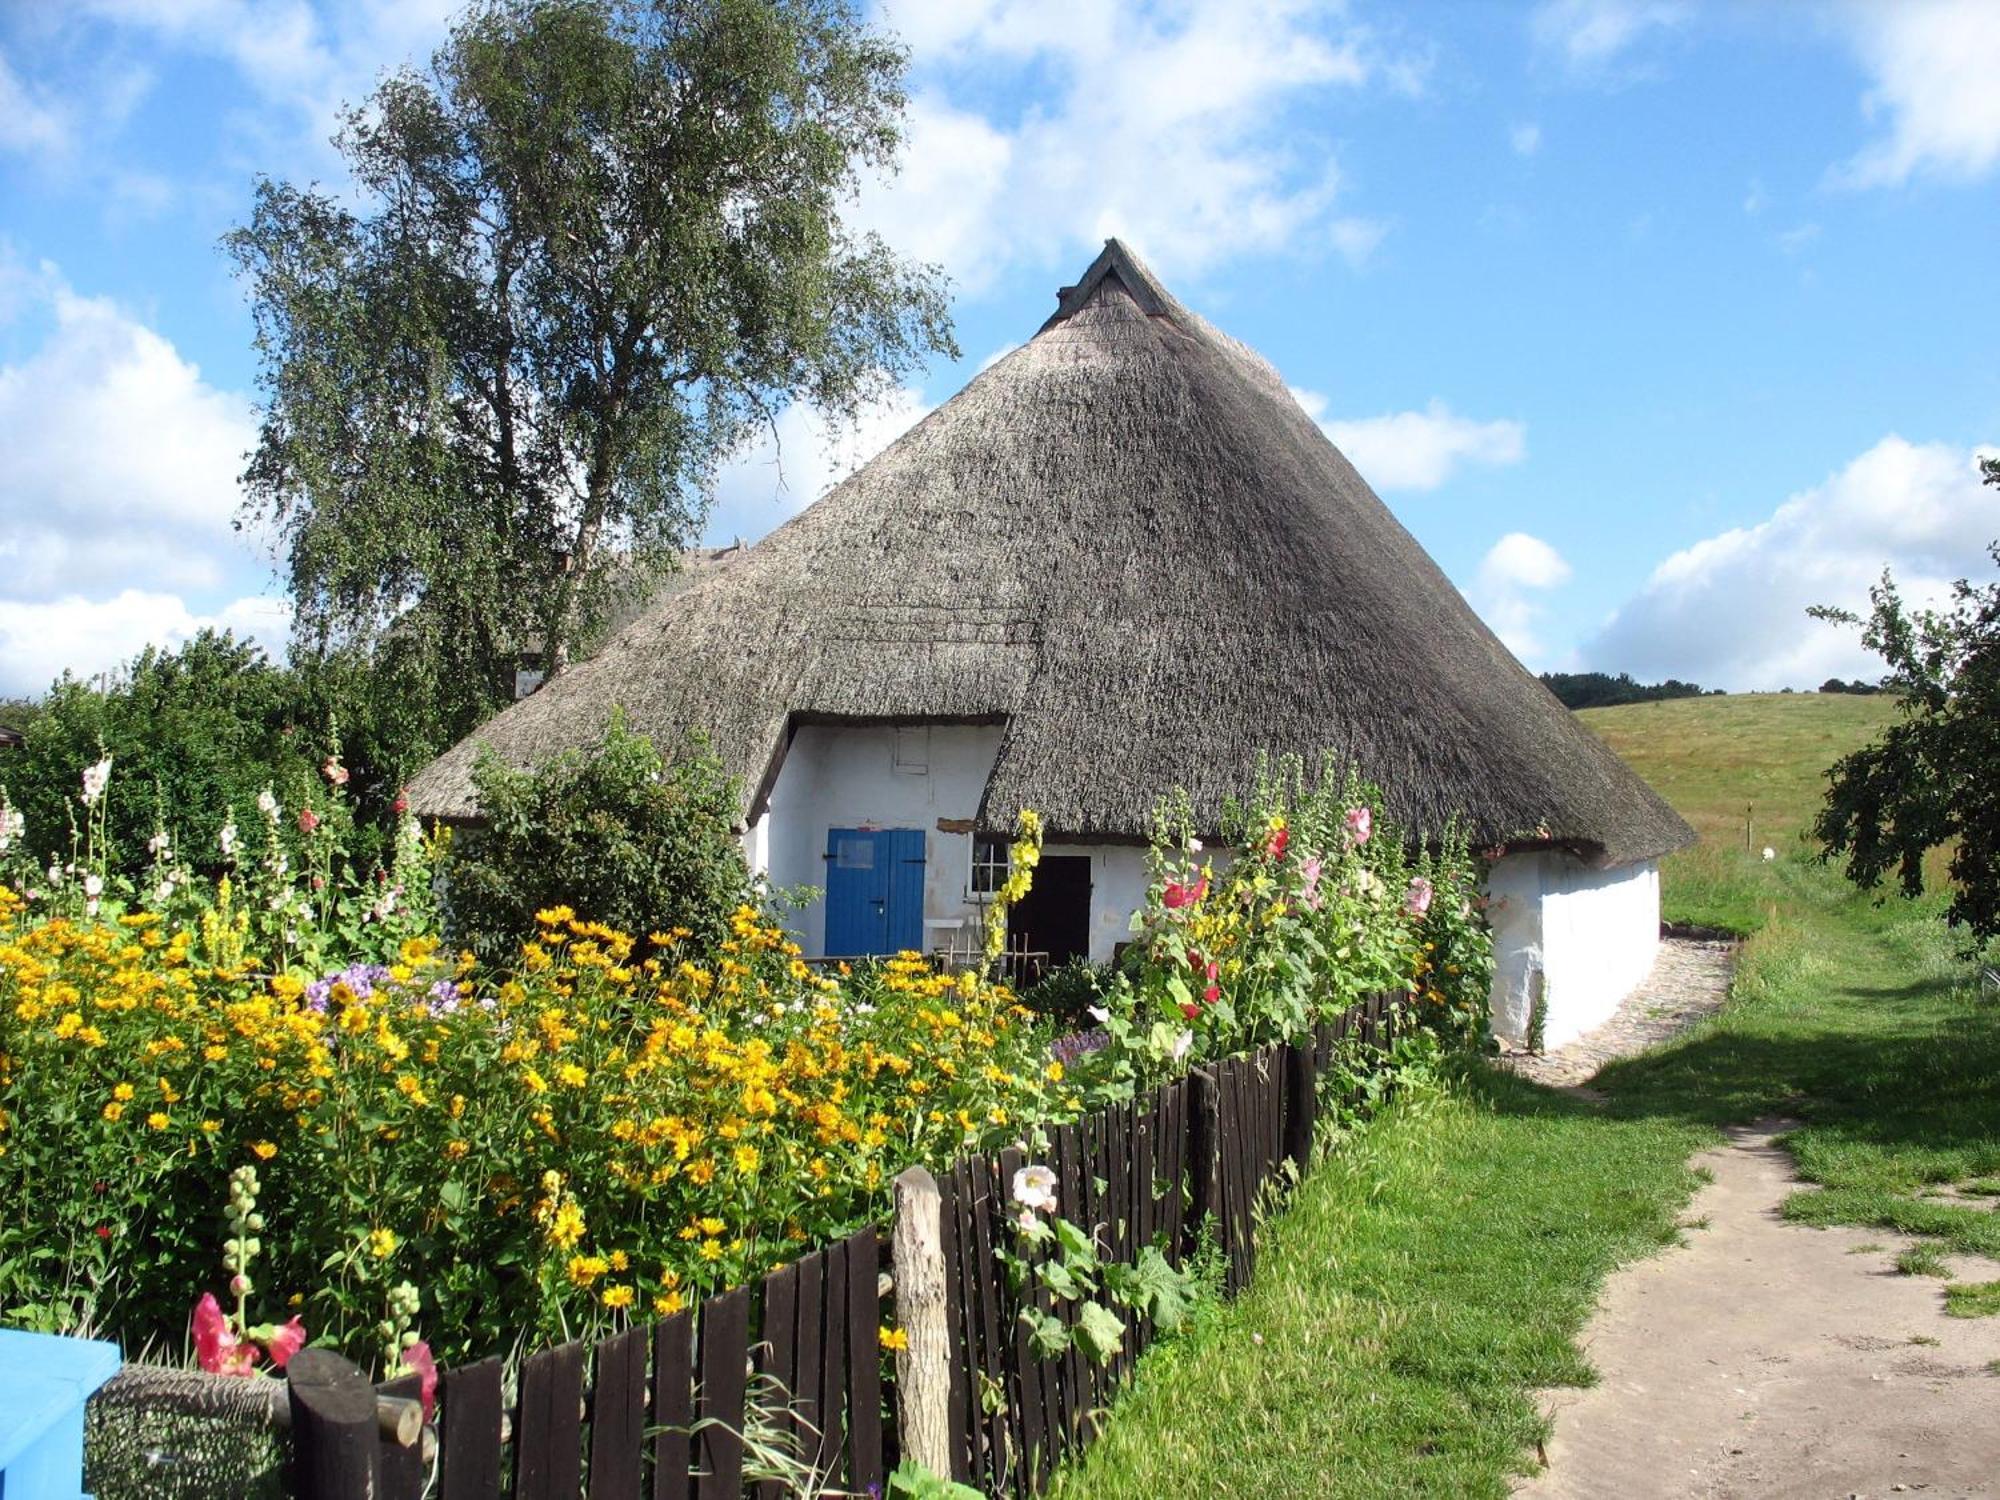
989 863
913 750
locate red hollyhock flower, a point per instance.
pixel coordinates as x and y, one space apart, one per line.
308 820
1280 841
1182 894
402 803
1212 994
418 1358
217 1349
286 1341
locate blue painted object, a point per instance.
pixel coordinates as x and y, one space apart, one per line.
44 1383
874 891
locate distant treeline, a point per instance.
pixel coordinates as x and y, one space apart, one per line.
1601 690
1835 685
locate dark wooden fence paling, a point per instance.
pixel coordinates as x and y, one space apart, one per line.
618 1416
864 1382
336 1444
673 1406
469 1407
404 1470
725 1358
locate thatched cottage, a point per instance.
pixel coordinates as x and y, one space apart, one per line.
1121 560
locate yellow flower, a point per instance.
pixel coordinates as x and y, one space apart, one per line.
618 1296
669 1303
123 1093
620 1261
263 1150
746 1159
113 1110
157 1120
711 1249
893 1338
381 1243
712 1226
571 1076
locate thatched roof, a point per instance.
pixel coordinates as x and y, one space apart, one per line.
1128 543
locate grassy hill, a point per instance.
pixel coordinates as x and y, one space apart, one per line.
1749 772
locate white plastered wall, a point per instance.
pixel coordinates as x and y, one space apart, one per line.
857 776
1584 938
848 776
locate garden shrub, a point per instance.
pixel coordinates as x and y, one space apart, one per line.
641 842
1064 997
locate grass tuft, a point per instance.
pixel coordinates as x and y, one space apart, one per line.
1973 1299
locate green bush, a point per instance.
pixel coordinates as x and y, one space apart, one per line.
619 832
1068 991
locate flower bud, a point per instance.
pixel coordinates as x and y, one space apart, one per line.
255 1222
239 1285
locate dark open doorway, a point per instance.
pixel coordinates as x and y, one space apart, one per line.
1054 917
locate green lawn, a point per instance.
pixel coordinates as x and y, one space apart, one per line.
1435 1271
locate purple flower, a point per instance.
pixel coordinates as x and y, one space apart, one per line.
1068 1049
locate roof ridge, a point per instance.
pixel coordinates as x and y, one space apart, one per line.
1114 260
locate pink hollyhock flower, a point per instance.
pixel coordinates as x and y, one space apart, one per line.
1360 823
1281 840
286 1340
402 803
1182 894
417 1358
1309 883
217 1349
1417 900
334 772
308 820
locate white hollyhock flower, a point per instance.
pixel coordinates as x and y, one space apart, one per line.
227 838
93 885
1097 1013
158 844
95 779
1181 1045
1035 1187
267 803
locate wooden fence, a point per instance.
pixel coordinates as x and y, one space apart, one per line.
1203 1148
660 1412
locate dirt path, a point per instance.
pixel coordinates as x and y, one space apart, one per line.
1770 1359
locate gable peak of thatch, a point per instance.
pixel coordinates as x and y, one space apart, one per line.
1114 262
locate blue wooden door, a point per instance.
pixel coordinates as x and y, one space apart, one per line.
874 890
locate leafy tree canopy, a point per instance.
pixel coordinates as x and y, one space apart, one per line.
598 244
1930 781
1601 690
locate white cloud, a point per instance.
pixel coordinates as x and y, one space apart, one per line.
121 460
1515 567
303 62
1730 610
1526 138
1591 36
1358 239
1794 240
1418 450
1935 68
29 123
785 471
40 641
1170 126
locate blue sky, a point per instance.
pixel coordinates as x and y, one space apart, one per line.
1655 321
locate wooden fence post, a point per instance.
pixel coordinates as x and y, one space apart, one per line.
1301 1105
923 1367
1204 1156
336 1441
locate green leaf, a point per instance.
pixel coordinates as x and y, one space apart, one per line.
1046 1333
1099 1331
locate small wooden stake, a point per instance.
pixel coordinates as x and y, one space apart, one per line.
923 1368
